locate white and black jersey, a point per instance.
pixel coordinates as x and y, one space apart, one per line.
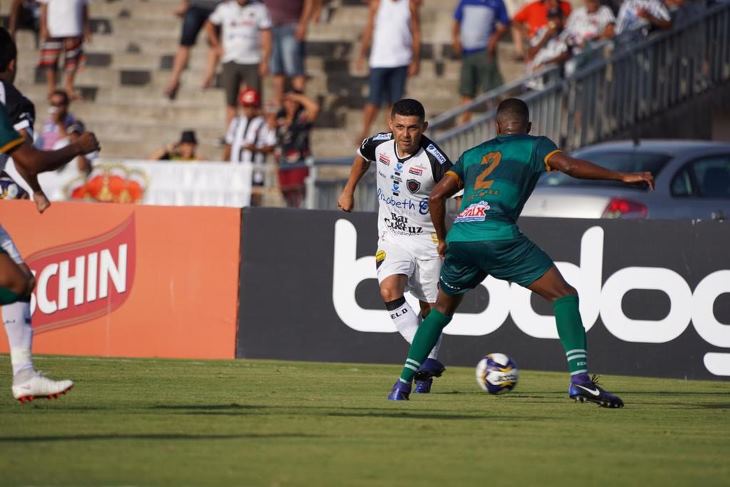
20 111
404 184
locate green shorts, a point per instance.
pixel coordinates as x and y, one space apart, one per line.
478 74
467 264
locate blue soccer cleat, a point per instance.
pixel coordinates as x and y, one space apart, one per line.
400 391
588 390
426 372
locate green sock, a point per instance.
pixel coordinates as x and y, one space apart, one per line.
426 337
572 334
7 296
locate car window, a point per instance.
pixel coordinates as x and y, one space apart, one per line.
625 161
682 183
713 176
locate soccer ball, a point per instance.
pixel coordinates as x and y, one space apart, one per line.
497 373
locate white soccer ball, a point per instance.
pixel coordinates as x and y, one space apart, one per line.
497 373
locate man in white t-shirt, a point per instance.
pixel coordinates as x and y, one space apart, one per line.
589 23
249 139
244 45
638 17
393 35
64 27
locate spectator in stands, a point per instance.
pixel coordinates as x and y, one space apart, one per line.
250 139
478 26
295 121
81 165
245 47
290 19
64 27
533 17
25 14
683 11
590 22
56 126
551 44
393 35
194 14
636 18
186 150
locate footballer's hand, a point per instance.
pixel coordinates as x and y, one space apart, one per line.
87 143
41 201
639 178
442 248
345 202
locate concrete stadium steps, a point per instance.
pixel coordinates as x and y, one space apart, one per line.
130 58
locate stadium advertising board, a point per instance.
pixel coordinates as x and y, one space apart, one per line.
655 296
124 280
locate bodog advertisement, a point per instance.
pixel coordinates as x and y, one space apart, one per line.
655 296
124 280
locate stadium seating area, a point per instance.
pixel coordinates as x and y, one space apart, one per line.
130 57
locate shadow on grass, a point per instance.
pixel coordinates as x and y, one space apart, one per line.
338 411
152 436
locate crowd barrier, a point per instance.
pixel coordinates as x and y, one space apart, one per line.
171 183
147 281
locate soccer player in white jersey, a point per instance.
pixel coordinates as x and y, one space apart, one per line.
16 280
408 166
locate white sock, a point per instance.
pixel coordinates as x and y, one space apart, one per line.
16 318
406 322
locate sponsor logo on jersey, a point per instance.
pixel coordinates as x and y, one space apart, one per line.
415 170
384 159
413 185
379 256
436 153
83 280
399 223
476 212
406 204
386 136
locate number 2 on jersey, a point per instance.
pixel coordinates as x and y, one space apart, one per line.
490 162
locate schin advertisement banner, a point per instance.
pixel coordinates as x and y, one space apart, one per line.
655 296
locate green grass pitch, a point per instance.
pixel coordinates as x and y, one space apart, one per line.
266 423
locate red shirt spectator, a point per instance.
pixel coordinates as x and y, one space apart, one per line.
534 15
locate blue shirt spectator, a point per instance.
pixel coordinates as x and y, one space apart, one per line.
478 20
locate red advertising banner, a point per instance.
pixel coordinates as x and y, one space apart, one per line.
136 281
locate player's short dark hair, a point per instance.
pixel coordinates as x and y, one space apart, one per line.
408 107
513 110
8 49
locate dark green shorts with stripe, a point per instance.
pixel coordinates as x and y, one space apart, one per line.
467 264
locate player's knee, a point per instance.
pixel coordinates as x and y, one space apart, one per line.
389 294
565 290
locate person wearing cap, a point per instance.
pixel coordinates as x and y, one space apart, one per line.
533 17
244 45
551 45
184 150
249 140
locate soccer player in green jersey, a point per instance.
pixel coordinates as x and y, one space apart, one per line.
498 176
16 280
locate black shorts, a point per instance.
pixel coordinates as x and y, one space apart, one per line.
234 75
193 21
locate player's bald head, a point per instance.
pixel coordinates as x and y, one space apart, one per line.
513 117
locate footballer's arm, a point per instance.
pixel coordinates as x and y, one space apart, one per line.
581 169
449 185
359 167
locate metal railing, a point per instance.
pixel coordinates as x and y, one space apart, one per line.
618 86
